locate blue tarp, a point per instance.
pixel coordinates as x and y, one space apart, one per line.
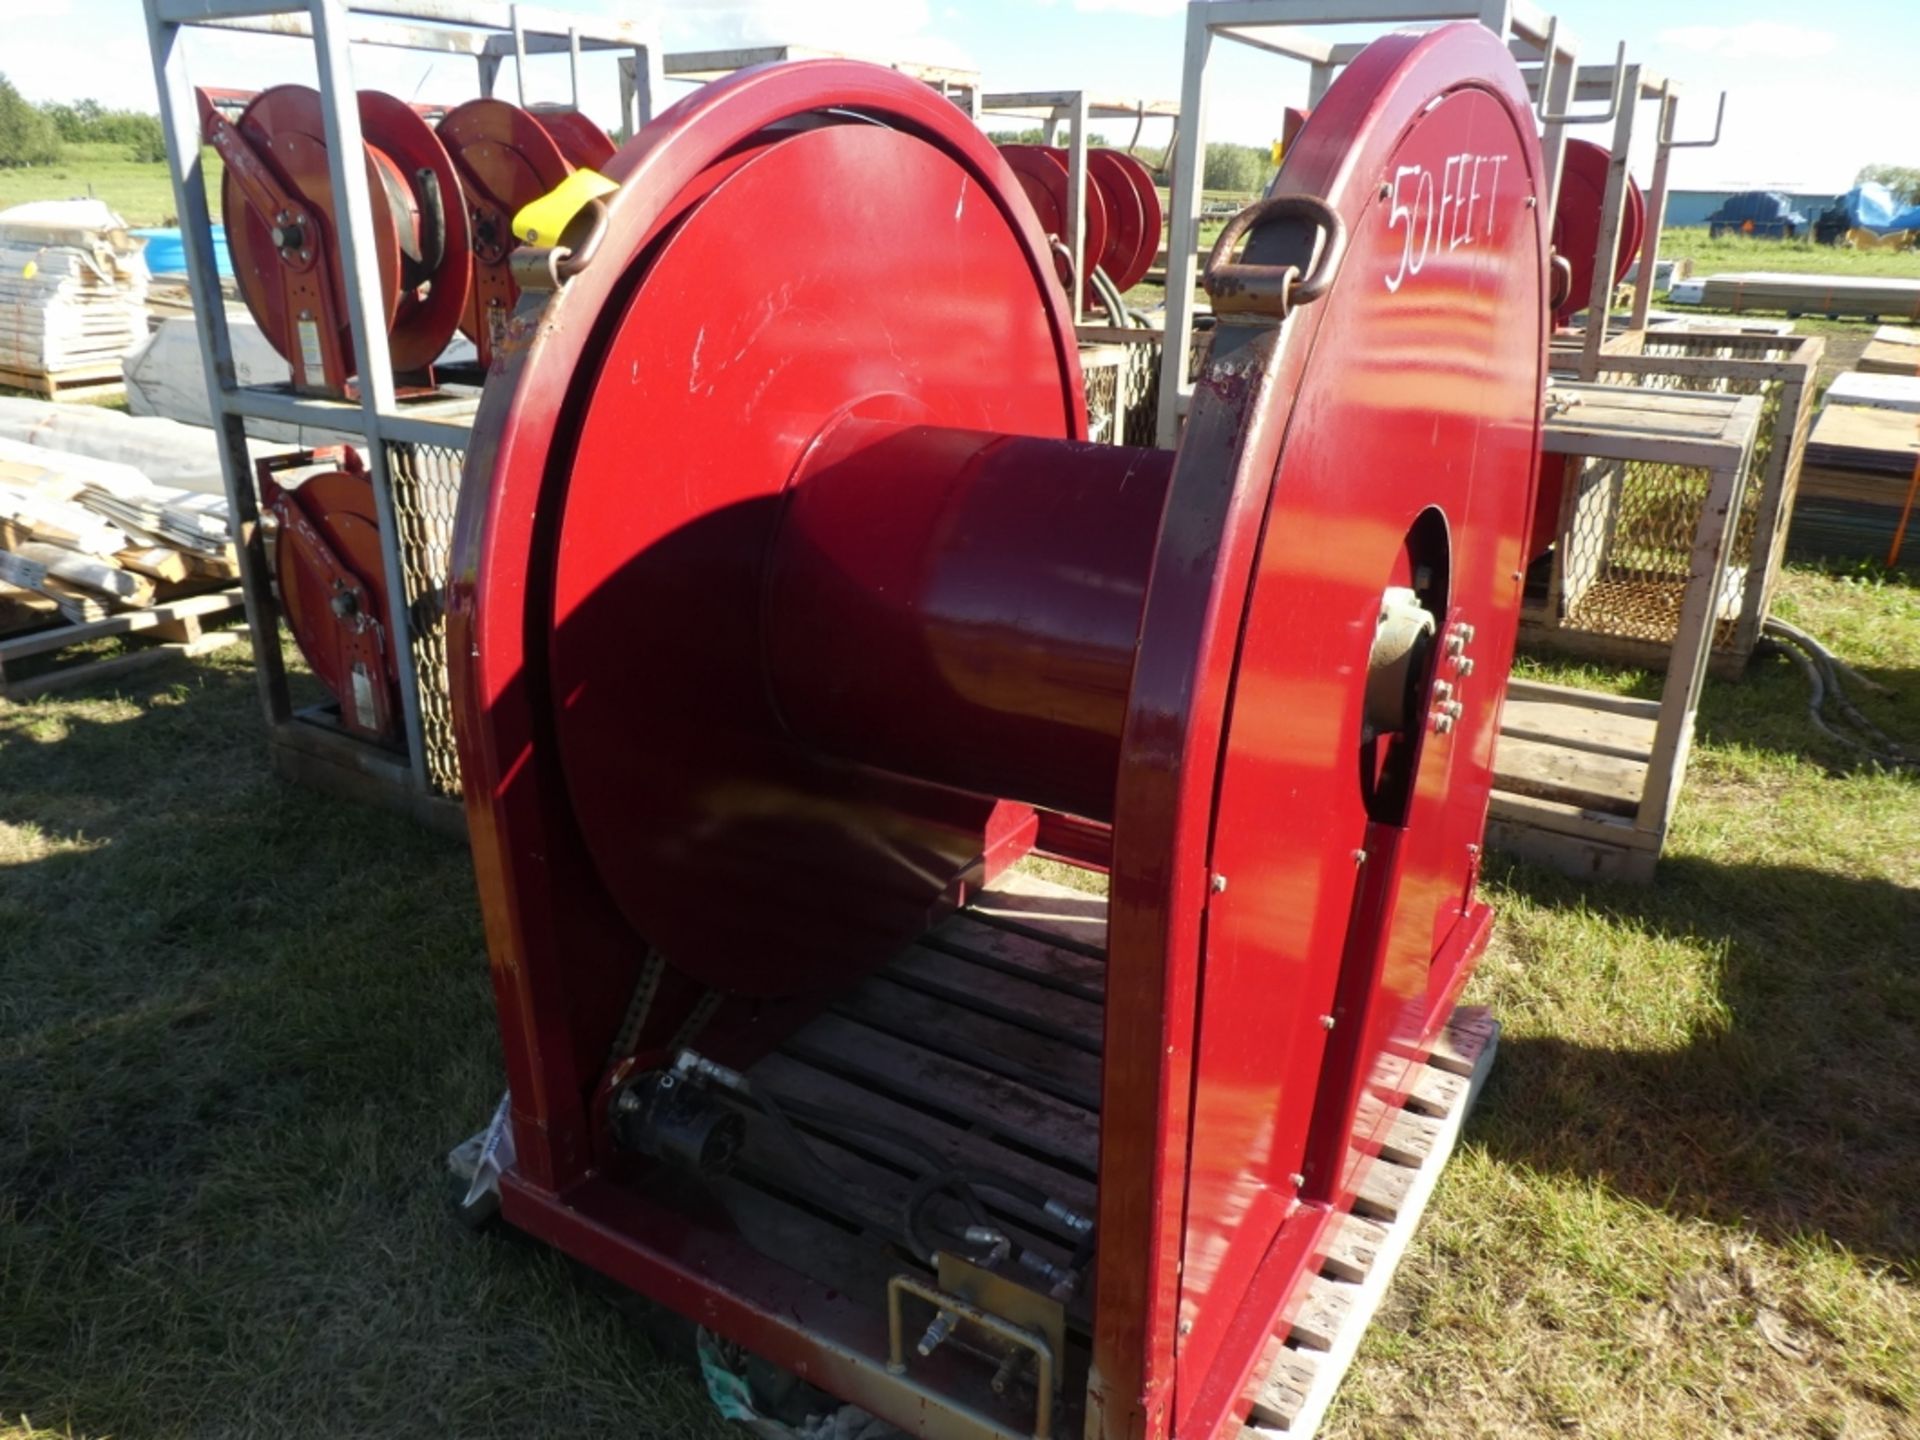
1871 206
167 252
1768 211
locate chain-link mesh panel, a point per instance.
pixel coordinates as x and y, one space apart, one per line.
1129 374
1629 547
426 486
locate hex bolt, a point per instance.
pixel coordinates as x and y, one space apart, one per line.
1297 1180
1441 690
1464 665
942 1326
1359 857
1456 644
1442 724
1218 883
1452 709
1326 1022
1466 632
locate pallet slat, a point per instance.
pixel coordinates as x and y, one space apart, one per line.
1306 1364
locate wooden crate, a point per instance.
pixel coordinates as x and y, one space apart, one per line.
1644 473
1782 370
1584 781
176 626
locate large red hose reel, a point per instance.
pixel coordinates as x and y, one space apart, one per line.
283 231
790 603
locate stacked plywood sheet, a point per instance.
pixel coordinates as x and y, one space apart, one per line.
1861 462
95 538
73 289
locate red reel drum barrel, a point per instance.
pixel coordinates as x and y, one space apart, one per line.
779 619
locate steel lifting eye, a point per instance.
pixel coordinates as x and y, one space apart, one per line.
1275 289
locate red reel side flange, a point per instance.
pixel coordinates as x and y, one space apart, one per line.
1577 220
1043 176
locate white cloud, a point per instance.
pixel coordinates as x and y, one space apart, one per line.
1131 7
880 29
1753 40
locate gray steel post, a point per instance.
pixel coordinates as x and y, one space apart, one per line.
180 123
347 169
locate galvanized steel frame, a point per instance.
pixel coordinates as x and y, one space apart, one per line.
959 85
1075 108
1277 26
487 30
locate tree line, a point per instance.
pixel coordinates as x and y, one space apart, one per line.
33 134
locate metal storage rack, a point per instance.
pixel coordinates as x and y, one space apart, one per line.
697 67
1626 91
1280 27
1074 109
414 457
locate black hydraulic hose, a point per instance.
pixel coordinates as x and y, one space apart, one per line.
1822 669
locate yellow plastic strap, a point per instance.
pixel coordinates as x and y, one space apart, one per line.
541 222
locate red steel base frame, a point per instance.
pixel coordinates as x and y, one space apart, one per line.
707 460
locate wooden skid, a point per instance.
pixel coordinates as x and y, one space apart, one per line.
88 380
177 624
982 1042
1306 1365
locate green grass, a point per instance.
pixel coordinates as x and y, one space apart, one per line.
140 192
241 1022
1741 252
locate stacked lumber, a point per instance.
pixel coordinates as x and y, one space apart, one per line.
1894 350
1859 469
73 290
1868 295
96 538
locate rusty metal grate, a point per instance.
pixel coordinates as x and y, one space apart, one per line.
426 487
1629 548
1131 374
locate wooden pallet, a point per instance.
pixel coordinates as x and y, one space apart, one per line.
983 1040
1307 1365
74 382
1576 781
177 625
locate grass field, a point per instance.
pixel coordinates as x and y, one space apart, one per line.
1740 252
141 193
240 1023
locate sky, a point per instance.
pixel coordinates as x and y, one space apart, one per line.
1815 91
